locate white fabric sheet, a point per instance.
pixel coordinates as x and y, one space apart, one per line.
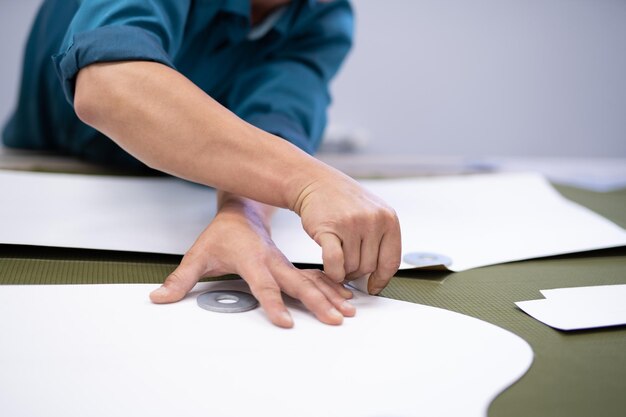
474 220
105 350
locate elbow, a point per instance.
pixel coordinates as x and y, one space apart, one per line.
85 107
96 93
86 104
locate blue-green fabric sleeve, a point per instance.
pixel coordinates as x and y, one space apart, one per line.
287 94
121 30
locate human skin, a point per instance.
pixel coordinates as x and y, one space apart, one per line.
165 121
241 226
259 9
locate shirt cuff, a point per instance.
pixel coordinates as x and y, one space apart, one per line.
283 126
106 44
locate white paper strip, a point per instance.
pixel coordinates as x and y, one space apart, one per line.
105 350
579 308
613 294
474 220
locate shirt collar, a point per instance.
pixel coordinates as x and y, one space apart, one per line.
241 9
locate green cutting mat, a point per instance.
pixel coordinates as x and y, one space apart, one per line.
574 374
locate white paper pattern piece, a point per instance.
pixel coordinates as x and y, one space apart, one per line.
105 350
474 220
595 174
580 307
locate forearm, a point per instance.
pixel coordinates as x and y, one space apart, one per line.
164 120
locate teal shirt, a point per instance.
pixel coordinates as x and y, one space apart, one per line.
277 82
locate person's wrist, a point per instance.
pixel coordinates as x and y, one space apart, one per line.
323 177
305 181
232 207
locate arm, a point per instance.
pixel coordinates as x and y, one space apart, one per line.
109 68
164 120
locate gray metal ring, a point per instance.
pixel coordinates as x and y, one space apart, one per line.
424 259
227 301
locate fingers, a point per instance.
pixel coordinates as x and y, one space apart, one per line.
179 282
267 291
351 252
389 257
318 294
370 248
361 250
340 288
332 256
337 294
317 303
369 255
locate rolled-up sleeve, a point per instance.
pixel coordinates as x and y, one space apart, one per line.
287 94
124 30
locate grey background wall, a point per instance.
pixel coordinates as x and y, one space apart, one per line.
15 20
458 77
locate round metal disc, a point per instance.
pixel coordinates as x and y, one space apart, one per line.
423 259
227 301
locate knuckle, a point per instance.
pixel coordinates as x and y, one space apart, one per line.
306 283
313 298
370 217
374 219
355 217
194 258
265 288
390 265
175 281
388 215
189 258
368 267
367 215
257 261
333 256
349 272
174 278
336 274
391 213
312 276
194 252
351 265
307 293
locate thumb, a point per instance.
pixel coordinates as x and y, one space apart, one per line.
178 283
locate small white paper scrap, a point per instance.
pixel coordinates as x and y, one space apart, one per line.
579 308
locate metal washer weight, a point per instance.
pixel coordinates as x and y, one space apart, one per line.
227 301
426 259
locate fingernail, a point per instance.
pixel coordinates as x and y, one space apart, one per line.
335 313
161 291
346 306
286 318
375 291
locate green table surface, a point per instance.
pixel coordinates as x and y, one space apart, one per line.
581 373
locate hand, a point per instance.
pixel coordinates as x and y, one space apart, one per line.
359 234
238 241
